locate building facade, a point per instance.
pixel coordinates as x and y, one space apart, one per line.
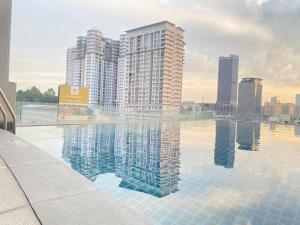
76 62
8 88
122 82
93 63
111 55
227 85
298 104
94 67
151 67
142 71
275 100
250 98
285 113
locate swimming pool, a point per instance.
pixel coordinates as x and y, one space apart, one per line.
195 172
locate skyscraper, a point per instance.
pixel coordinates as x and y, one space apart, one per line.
154 62
75 63
250 98
122 82
111 54
227 85
93 63
94 67
275 100
298 103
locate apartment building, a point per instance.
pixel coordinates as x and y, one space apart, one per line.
142 71
152 77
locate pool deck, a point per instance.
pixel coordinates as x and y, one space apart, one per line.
36 188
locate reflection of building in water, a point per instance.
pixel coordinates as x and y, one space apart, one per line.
272 126
248 135
144 154
225 143
297 130
149 155
90 150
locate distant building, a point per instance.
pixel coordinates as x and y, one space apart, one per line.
94 67
285 113
152 78
208 106
122 82
75 63
250 98
111 54
275 100
142 71
188 105
93 63
267 109
297 130
298 104
227 85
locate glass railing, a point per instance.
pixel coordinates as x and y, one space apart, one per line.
38 114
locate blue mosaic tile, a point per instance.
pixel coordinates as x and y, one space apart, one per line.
216 172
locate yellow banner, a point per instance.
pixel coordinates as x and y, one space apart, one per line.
71 95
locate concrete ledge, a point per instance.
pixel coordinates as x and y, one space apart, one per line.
58 194
14 207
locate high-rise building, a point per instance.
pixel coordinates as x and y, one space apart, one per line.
142 71
93 63
152 79
75 63
227 85
275 100
298 103
94 67
8 88
111 54
250 98
122 82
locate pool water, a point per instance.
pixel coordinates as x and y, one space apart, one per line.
195 172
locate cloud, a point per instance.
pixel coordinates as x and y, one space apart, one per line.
181 13
263 32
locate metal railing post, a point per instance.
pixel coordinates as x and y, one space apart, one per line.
4 117
13 115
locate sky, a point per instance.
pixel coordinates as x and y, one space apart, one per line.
264 33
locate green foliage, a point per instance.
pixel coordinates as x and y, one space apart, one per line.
35 95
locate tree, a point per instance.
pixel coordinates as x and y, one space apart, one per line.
49 96
35 95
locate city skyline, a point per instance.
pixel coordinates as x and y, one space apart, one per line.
245 30
140 71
